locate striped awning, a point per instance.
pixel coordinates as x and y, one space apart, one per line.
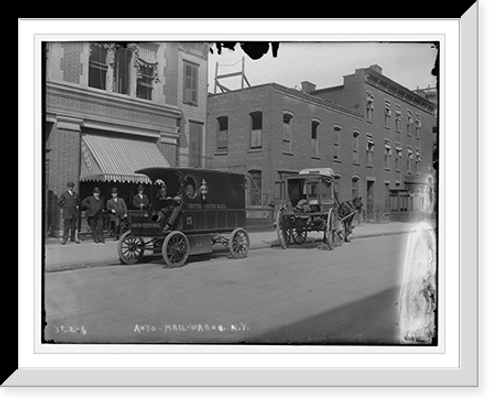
115 159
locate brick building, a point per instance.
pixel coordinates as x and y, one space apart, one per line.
374 133
400 133
112 108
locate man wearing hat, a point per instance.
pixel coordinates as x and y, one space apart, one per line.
69 202
140 200
118 209
95 206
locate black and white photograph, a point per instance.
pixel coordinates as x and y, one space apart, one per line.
240 192
250 203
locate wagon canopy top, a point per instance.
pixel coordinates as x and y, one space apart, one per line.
325 172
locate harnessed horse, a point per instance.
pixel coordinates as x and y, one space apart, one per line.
347 210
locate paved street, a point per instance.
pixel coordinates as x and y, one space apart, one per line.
299 295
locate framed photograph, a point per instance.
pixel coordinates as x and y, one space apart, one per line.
272 202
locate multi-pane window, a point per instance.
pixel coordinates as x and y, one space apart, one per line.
97 66
190 89
287 132
146 66
123 57
145 78
398 117
409 158
369 150
315 138
222 130
355 147
388 114
418 159
388 154
336 141
399 155
254 188
370 105
409 123
418 125
256 130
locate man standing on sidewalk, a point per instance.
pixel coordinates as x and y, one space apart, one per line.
116 205
95 206
69 202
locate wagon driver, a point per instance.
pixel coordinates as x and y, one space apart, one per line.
170 207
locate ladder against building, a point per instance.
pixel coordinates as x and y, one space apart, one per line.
241 73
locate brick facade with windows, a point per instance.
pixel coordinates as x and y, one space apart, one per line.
117 90
297 131
349 128
400 123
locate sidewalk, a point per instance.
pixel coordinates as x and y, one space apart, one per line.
88 254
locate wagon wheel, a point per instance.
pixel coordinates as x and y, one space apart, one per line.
329 228
282 229
299 235
130 248
239 243
175 249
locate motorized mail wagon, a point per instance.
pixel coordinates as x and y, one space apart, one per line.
190 210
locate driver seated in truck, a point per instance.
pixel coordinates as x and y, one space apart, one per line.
169 208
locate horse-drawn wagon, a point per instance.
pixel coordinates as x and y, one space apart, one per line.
312 206
190 211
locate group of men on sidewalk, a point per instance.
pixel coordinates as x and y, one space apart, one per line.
117 208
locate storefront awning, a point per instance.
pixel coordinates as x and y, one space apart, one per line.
115 159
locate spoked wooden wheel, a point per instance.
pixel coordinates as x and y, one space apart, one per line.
329 228
282 229
175 249
239 243
130 248
299 235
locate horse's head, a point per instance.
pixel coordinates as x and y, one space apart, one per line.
358 204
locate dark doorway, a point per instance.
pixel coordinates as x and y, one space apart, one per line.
369 199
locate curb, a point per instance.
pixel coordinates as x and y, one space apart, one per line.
362 236
258 246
